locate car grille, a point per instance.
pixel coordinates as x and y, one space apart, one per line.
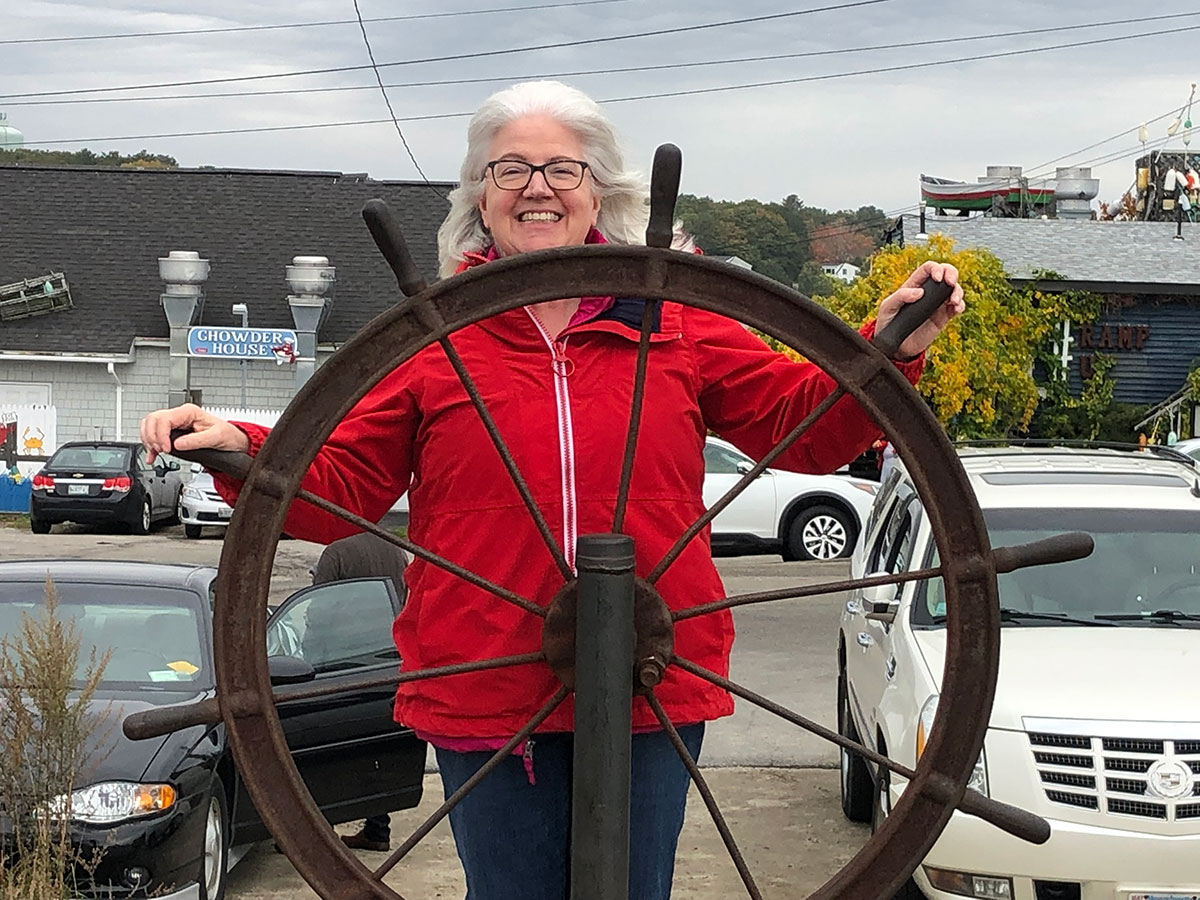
1148 779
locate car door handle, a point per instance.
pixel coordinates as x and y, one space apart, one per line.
865 640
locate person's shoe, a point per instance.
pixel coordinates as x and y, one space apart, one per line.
360 841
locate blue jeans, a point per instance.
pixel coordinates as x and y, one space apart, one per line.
513 837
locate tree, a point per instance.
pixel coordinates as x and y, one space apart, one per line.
979 378
85 157
813 282
747 229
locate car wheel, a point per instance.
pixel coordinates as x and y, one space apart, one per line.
37 526
821 532
214 856
192 531
881 803
141 525
858 790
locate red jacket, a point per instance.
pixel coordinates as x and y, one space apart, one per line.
566 433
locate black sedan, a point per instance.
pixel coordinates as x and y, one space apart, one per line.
104 483
164 813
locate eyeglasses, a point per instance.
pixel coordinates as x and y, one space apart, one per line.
515 175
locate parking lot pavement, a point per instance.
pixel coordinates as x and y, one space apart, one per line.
787 823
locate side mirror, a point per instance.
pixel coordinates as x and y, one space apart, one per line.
173 466
160 470
289 670
879 603
744 466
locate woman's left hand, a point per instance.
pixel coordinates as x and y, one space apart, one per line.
918 342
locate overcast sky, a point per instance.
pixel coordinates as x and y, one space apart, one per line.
837 143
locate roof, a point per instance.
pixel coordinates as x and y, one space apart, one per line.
1076 477
106 571
105 228
1140 257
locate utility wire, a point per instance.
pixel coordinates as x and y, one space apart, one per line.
246 28
639 97
387 100
613 71
454 57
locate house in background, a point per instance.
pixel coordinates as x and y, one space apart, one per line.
1149 276
101 358
842 271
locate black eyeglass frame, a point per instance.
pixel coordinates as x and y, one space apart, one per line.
491 168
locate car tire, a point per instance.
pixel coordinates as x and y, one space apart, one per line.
880 807
192 531
214 852
858 789
37 526
142 522
822 533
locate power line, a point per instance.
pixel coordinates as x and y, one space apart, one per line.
246 28
612 71
387 100
454 57
639 97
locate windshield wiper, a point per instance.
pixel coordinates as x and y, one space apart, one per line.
1008 614
1158 615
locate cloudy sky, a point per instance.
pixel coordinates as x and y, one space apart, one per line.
837 142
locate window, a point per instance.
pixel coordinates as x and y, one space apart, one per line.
720 460
337 626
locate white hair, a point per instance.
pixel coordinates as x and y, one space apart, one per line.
623 192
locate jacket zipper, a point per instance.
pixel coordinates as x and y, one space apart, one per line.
562 368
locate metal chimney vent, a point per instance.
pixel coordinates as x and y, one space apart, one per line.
1074 190
183 271
311 276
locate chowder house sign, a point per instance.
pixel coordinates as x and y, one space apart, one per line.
278 344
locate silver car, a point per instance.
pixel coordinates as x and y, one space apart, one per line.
200 504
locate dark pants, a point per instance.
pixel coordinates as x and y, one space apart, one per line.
378 828
513 837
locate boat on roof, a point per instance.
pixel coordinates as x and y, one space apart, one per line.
944 193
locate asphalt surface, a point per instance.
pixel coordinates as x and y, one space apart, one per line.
777 784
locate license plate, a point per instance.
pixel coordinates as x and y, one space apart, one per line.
225 513
75 489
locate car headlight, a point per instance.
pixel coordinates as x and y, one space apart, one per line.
978 780
191 493
112 801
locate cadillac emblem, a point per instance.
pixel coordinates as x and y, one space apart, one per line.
1169 779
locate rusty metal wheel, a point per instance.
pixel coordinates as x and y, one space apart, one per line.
430 315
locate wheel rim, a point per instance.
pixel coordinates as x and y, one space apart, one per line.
824 537
214 844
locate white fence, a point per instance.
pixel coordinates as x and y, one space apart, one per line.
237 414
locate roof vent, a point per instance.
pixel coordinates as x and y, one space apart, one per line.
183 271
1074 190
311 276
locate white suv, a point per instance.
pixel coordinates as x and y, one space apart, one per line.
1096 721
799 516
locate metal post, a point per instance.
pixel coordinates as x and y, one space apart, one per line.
604 640
243 311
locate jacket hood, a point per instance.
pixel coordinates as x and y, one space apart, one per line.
1142 673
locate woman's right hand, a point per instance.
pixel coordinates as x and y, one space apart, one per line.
205 431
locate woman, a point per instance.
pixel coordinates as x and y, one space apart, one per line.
543 170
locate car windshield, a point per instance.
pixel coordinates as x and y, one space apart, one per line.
153 635
1145 569
101 457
